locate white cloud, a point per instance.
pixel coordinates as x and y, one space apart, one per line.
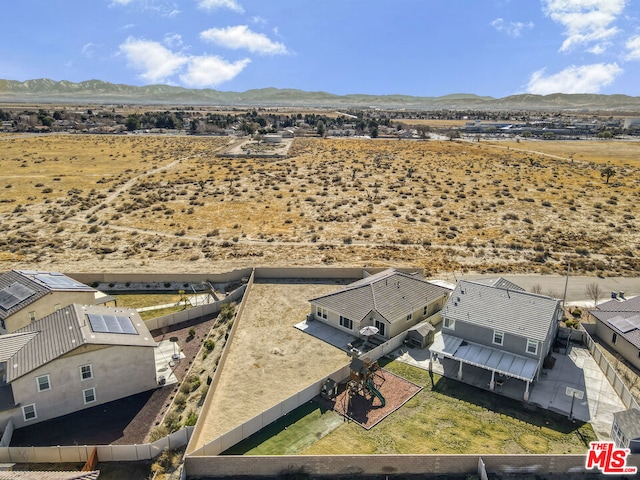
583 79
173 40
513 29
240 37
88 49
158 64
633 47
155 62
215 4
586 22
211 71
120 2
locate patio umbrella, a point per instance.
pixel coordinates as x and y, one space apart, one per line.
368 331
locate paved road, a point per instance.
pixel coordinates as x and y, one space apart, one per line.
576 285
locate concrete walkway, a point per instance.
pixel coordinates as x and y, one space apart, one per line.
577 370
165 361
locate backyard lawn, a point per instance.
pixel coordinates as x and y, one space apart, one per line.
448 417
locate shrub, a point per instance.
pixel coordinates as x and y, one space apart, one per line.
209 345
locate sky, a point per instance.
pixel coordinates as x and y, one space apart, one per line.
379 47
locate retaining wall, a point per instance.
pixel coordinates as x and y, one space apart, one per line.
226 277
527 466
320 272
106 453
614 379
223 359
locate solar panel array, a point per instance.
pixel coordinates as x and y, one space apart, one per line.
58 280
111 324
13 294
625 325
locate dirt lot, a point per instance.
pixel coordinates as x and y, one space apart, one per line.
269 360
121 203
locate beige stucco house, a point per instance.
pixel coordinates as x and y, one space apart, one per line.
77 357
27 295
618 325
392 301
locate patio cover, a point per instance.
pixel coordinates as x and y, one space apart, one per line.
489 358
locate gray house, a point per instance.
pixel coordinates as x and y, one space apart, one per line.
391 301
499 327
77 357
625 429
618 325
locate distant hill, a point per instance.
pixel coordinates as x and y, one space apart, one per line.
44 90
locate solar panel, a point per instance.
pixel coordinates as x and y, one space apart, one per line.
635 321
622 324
58 281
14 294
111 324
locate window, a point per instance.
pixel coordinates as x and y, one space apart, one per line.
29 412
425 310
532 346
409 317
32 316
44 383
614 338
450 323
380 326
89 395
346 323
321 312
498 337
86 372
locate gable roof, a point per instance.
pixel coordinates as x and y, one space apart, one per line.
63 331
629 422
390 293
621 317
499 282
23 287
511 311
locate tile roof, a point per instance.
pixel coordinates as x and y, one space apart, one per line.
512 311
41 283
499 282
629 422
63 331
611 319
629 305
391 293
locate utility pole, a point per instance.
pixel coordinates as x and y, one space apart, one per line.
566 282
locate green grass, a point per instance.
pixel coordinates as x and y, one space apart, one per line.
446 417
290 434
452 417
149 314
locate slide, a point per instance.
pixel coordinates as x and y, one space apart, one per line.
375 391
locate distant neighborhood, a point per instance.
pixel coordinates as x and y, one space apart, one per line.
372 123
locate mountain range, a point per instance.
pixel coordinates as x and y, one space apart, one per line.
44 90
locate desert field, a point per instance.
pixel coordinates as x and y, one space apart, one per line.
167 203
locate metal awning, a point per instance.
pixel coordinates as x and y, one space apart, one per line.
489 358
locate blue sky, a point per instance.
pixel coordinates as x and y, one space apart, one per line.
410 47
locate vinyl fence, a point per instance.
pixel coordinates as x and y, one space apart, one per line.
106 453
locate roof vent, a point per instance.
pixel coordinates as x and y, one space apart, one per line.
614 295
621 294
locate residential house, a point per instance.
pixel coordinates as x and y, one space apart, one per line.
392 301
77 357
499 327
26 295
625 429
618 325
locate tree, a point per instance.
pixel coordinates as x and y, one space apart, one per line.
593 292
320 128
607 173
132 123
